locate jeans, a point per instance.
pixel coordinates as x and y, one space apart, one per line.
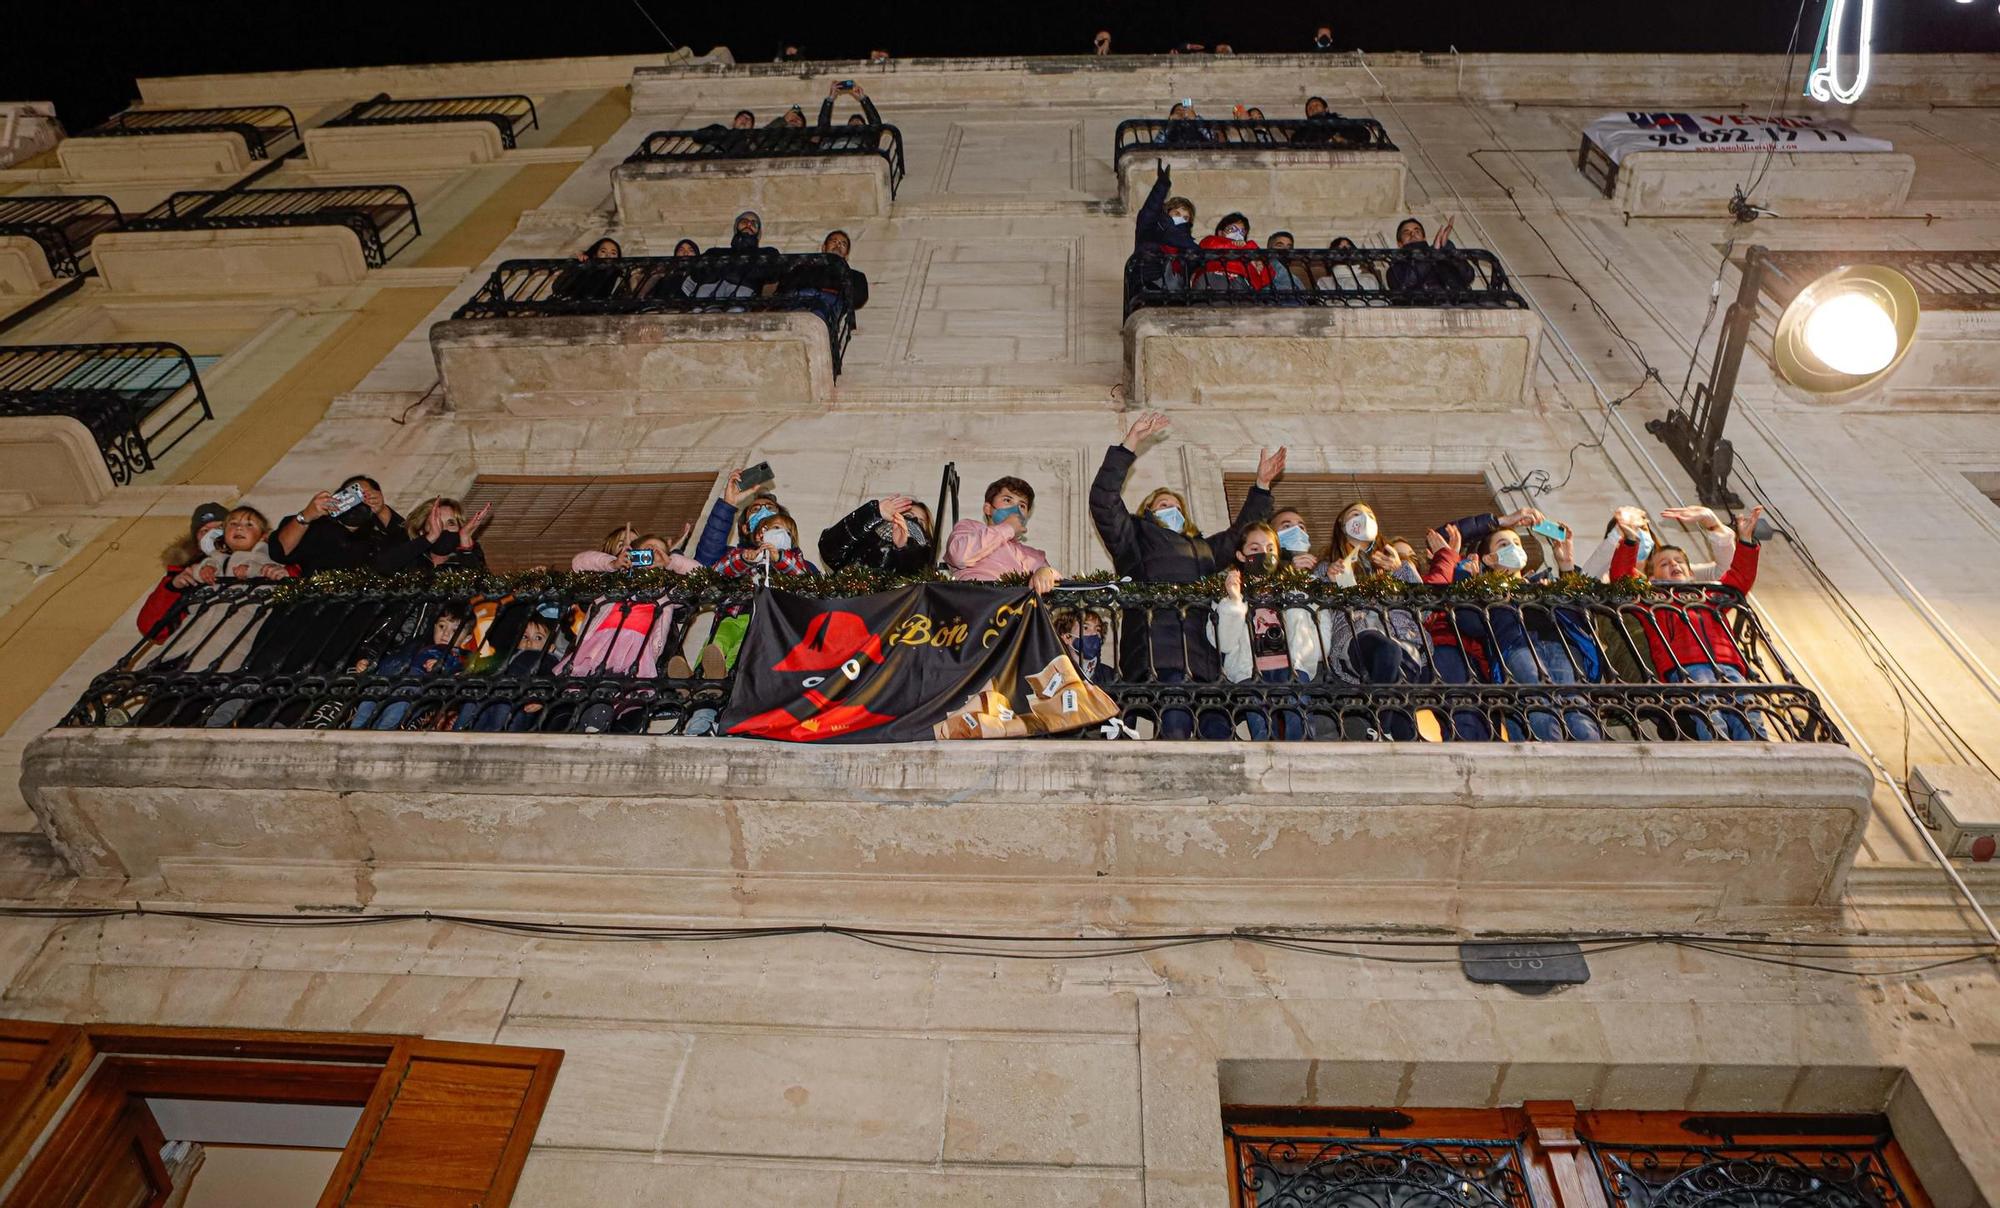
1180 723
1737 721
1521 668
1381 661
378 715
1291 724
1467 724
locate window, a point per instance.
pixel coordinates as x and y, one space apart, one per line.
545 521
120 1115
1522 1158
1405 504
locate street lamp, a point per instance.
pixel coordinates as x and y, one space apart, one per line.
1838 334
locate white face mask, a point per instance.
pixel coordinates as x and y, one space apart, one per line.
1360 526
1234 233
1293 539
1170 517
1511 557
778 539
1180 219
212 541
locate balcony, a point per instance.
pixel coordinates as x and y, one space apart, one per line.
257 240
807 174
1635 813
1328 330
387 133
1695 184
42 238
1954 360
648 335
154 143
1343 166
136 401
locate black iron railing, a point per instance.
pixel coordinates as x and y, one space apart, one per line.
1329 1170
1153 135
1798 1174
508 114
1682 663
1955 280
138 400
261 127
1418 276
774 142
382 217
711 283
63 226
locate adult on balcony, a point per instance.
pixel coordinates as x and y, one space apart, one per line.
824 284
891 534
1160 544
743 269
1325 128
1184 127
1427 264
851 88
325 536
1163 230
597 275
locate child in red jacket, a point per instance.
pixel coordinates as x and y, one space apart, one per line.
1691 643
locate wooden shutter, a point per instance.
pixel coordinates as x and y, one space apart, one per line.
1405 504
448 1127
39 1063
539 520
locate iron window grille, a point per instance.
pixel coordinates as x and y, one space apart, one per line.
1420 275
774 142
253 655
1361 1172
383 218
1149 136
261 127
1799 1174
63 226
509 114
137 399
714 282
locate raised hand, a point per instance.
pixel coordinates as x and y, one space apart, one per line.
1270 466
1305 562
1448 539
1565 551
433 525
1386 559
892 507
1232 583
1746 525
1705 517
467 529
1145 428
321 505
1525 518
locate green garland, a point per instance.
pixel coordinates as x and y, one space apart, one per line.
1288 585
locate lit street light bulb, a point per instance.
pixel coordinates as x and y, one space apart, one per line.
1852 333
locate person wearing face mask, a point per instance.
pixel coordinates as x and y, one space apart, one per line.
1294 541
739 510
1323 38
891 535
163 608
439 537
1504 643
981 551
775 549
1372 643
1164 229
1692 643
1160 544
1082 634
316 540
1262 643
1234 276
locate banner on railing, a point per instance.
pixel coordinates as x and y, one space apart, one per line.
927 661
1620 134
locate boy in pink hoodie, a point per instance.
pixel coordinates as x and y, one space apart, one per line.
984 550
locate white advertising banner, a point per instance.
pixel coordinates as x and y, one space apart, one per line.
1619 134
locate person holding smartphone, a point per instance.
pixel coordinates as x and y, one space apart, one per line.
891 534
341 529
746 500
838 89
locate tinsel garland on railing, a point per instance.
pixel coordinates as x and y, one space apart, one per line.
1100 589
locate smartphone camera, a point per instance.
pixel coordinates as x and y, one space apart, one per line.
641 557
346 499
847 85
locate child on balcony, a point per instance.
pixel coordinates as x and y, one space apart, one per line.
1690 643
624 637
531 657
418 659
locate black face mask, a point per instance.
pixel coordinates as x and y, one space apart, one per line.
1258 564
358 519
444 544
743 241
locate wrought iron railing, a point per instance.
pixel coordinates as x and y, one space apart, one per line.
1956 280
1293 1172
382 217
63 226
1543 665
1420 275
1795 1174
714 282
1152 135
774 142
261 127
509 114
139 400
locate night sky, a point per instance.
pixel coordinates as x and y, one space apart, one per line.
85 54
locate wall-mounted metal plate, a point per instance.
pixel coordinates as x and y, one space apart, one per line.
1528 968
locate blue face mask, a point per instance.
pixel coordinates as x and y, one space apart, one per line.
1000 515
756 517
1170 517
1090 646
1645 546
1293 539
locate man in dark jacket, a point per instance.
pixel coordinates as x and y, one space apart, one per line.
1163 230
826 283
1169 645
858 93
742 269
892 535
1427 265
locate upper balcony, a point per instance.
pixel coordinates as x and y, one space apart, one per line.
649 334
77 418
831 175
1325 329
156 143
391 133
42 238
255 240
1342 166
1583 784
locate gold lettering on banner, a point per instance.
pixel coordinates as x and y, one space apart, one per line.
1002 617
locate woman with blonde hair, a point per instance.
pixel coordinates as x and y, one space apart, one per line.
437 536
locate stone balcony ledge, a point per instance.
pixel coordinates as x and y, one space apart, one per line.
1823 184
621 365
685 194
230 260
194 155
1049 833
1333 358
412 146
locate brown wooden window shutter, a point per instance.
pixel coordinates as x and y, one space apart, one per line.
449 1125
541 520
1405 504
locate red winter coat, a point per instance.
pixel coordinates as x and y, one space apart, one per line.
165 602
1682 637
1256 272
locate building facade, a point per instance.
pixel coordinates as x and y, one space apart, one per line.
1044 971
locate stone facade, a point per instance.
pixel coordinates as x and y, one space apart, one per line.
812 1067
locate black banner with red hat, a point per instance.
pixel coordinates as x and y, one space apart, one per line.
924 662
